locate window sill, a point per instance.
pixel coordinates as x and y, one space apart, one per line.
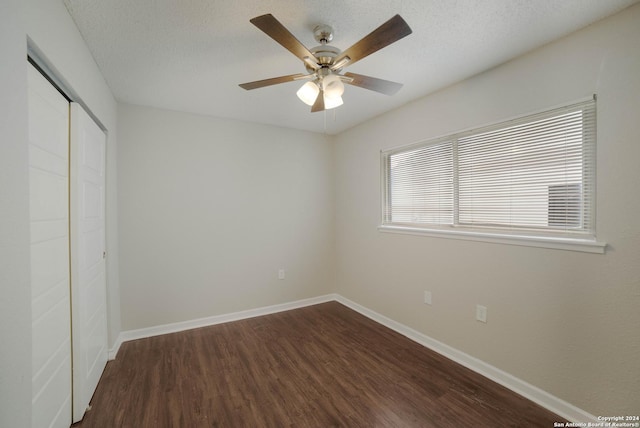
559 243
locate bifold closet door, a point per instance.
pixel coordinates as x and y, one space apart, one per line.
68 279
50 278
88 276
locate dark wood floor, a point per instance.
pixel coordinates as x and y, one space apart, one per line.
320 366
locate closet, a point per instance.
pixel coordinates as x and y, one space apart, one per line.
68 279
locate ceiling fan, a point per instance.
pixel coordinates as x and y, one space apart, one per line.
325 84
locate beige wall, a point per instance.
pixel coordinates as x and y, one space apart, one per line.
15 300
566 322
210 209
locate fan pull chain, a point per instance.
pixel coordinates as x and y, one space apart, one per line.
325 121
325 118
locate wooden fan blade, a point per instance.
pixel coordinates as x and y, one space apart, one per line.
386 87
273 81
319 104
274 29
389 32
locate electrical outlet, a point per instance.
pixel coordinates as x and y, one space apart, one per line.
481 313
427 297
280 273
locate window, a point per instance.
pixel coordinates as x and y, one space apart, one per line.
529 177
564 205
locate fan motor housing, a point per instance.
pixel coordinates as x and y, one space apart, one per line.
326 55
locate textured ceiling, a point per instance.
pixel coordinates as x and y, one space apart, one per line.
190 55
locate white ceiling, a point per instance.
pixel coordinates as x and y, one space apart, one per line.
190 55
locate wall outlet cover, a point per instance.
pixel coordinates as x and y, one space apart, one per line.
427 297
481 313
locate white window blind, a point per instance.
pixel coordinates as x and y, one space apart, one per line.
421 185
534 175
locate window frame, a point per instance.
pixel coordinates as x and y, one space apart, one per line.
536 237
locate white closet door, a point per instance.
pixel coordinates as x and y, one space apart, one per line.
49 199
88 277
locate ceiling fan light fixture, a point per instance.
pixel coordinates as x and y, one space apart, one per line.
324 63
332 102
308 93
332 86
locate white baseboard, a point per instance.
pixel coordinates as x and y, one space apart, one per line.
213 320
533 393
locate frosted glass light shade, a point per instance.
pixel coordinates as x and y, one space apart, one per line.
308 93
332 86
332 102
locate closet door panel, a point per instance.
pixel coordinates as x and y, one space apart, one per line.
88 275
50 277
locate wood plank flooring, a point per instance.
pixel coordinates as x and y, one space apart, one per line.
319 366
